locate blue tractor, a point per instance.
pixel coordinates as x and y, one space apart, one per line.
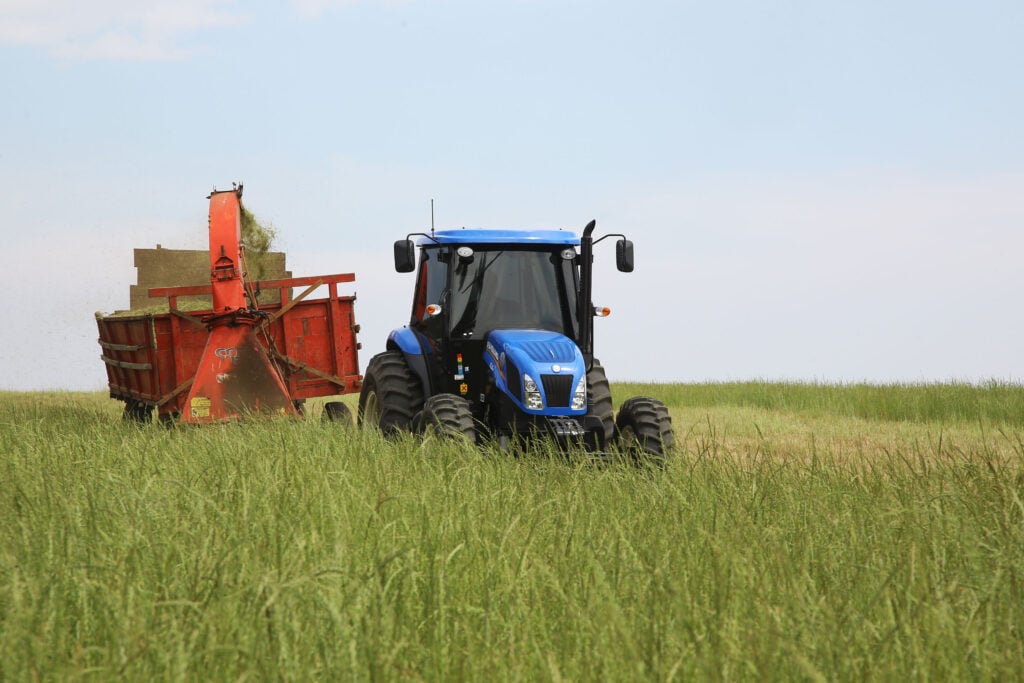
500 346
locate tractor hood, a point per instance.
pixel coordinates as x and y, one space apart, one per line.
542 372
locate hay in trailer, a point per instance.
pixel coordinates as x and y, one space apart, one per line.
184 304
258 262
257 239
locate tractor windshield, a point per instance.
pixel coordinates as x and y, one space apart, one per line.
512 290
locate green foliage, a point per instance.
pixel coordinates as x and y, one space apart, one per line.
298 549
258 239
1000 402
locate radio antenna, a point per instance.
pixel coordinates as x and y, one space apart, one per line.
431 216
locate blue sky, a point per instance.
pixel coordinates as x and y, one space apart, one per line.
817 190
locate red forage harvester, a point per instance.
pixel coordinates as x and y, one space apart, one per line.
239 358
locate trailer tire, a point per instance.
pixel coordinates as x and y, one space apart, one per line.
391 395
137 412
448 416
644 429
338 412
599 400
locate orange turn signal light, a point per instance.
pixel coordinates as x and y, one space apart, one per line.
602 311
433 309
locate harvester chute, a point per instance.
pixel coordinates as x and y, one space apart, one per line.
235 375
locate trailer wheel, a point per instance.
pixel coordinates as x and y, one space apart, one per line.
391 394
599 399
645 429
137 412
447 416
336 411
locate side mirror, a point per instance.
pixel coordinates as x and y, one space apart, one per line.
405 256
624 256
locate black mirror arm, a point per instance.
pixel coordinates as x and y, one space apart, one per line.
423 234
611 234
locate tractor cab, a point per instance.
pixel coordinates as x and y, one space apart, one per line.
470 284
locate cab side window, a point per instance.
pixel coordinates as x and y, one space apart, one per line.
430 287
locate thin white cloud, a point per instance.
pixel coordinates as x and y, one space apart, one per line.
112 29
313 9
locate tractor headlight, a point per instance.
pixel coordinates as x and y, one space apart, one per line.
579 397
531 394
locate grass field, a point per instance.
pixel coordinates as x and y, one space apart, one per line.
800 532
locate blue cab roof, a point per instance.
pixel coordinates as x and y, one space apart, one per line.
488 236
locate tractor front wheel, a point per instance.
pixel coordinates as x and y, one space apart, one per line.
448 416
645 429
391 394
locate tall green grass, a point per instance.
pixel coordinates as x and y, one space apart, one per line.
296 550
999 402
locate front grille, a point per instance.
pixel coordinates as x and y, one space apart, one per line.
557 389
514 380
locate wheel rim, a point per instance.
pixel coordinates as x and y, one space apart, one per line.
371 409
627 438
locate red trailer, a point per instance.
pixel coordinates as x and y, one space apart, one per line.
237 358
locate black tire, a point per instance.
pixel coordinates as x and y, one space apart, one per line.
391 394
336 411
668 433
448 416
599 400
137 412
644 428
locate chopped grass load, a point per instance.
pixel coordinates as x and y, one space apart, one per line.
258 241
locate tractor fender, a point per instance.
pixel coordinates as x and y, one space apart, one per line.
414 347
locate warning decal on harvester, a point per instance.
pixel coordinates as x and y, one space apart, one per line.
200 406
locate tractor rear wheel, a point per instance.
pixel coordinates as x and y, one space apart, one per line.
448 416
391 394
645 429
599 399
